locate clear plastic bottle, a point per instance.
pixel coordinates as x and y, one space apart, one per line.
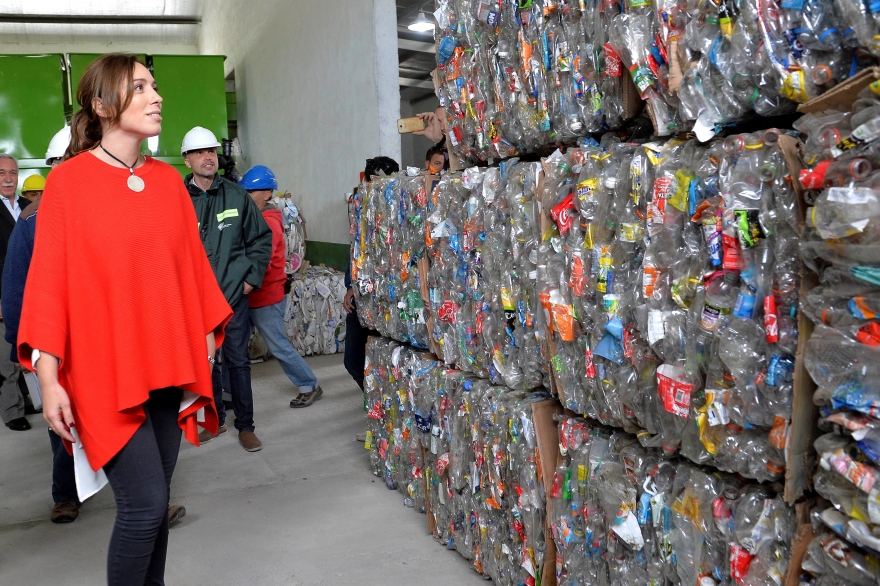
720 299
840 212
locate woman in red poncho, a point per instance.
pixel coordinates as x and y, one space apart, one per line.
122 310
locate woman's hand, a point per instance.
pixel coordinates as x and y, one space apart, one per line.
348 302
433 128
57 411
56 403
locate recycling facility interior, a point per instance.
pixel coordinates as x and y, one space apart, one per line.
553 426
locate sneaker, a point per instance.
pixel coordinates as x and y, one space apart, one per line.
249 441
175 514
306 399
64 512
205 436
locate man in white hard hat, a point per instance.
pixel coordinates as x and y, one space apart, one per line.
57 147
239 244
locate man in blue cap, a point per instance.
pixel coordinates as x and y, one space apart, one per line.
268 303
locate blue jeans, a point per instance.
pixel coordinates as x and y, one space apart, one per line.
63 478
235 356
269 321
140 475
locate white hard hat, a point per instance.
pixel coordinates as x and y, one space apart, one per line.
198 138
58 144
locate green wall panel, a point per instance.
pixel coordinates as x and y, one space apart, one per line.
32 104
330 254
79 62
194 92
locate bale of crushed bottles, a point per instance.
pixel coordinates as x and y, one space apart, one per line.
670 282
486 488
621 513
517 77
843 353
468 453
388 239
394 377
314 317
483 228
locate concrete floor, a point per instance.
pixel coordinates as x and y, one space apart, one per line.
304 510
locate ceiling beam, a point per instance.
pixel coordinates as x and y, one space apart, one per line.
419 46
63 19
407 82
416 8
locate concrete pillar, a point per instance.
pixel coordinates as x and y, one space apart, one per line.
387 85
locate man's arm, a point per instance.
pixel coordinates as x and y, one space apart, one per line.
257 243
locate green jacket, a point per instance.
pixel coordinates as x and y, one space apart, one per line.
236 237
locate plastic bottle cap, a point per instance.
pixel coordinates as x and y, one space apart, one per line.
829 137
828 36
822 75
771 136
707 581
859 169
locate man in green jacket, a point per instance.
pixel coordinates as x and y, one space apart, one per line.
239 244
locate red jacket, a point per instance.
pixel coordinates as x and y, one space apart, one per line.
124 298
272 289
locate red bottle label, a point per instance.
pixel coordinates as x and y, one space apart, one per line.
771 323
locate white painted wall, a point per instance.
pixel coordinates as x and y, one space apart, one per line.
317 94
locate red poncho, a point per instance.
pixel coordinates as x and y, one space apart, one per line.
124 296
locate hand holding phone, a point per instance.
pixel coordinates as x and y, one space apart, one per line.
409 125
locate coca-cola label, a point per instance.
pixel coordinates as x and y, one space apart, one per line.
446 312
674 389
771 322
442 463
740 560
613 65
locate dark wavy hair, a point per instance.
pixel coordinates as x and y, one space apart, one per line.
107 80
376 165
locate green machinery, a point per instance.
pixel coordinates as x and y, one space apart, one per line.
38 97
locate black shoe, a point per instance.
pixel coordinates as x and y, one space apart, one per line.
29 410
20 424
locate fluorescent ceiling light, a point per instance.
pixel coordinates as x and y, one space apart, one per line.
421 25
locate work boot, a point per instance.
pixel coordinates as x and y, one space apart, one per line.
65 512
205 436
249 441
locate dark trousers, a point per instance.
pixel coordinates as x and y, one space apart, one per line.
140 475
63 478
356 347
235 358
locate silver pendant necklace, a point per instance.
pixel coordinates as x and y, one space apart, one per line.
134 182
